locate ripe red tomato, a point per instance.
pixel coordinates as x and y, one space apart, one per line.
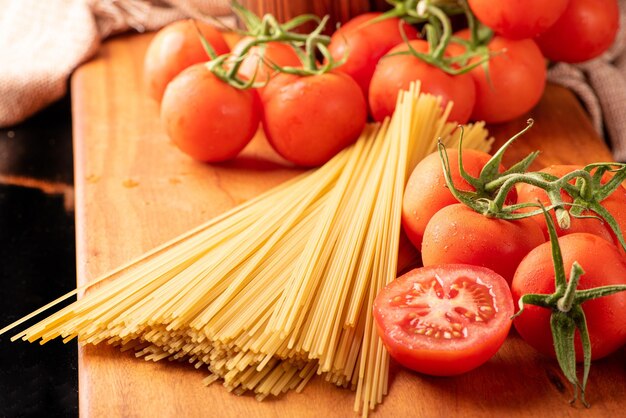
518 19
395 73
458 234
515 83
309 119
603 266
206 118
366 44
615 204
257 59
174 48
444 320
426 191
585 30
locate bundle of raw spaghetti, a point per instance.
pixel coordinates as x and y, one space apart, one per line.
281 288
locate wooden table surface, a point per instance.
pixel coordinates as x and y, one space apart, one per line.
134 190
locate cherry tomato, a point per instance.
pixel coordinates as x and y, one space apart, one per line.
395 73
174 48
515 83
309 119
585 30
206 118
518 19
458 234
426 191
258 59
444 320
615 204
603 266
364 45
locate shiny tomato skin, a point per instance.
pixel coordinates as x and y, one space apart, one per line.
206 118
174 48
426 191
458 234
309 119
518 19
395 73
615 204
516 80
603 266
584 31
403 329
258 59
363 45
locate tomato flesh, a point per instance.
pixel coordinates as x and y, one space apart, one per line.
444 320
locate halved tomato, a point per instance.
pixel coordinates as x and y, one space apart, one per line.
444 320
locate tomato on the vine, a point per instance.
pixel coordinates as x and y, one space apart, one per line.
207 118
396 72
603 265
309 119
259 59
363 44
426 191
590 223
458 234
514 83
444 320
585 30
518 19
174 48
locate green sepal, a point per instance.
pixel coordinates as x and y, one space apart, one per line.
578 316
251 21
598 292
491 170
563 330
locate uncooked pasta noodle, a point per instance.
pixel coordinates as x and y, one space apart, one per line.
281 288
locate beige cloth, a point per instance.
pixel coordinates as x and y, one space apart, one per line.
42 41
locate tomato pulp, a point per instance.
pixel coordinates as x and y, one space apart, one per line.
444 320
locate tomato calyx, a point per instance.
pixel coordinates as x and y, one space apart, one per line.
486 199
492 188
567 314
438 29
265 30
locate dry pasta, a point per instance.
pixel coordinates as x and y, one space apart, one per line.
278 289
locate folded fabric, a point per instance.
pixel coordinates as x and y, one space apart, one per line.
42 42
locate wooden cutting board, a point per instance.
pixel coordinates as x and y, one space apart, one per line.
134 190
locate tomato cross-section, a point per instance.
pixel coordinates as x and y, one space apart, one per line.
444 320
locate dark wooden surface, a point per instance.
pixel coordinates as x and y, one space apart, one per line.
135 191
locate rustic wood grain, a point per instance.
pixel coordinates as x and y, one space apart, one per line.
135 191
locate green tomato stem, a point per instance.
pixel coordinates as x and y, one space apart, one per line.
565 303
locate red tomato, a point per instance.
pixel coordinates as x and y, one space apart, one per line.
174 48
585 30
516 80
273 52
615 204
426 191
206 118
458 234
444 320
518 19
395 73
309 119
366 44
603 266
